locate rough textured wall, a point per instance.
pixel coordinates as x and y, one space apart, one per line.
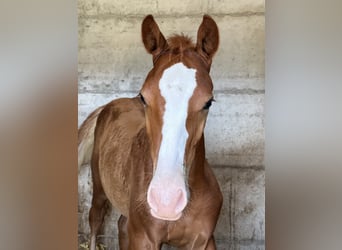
113 63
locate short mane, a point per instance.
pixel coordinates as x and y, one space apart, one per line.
180 43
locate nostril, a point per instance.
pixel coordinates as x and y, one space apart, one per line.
153 200
180 195
181 201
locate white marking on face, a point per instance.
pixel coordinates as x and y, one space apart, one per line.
176 85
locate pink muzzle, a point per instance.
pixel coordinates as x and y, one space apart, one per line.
167 198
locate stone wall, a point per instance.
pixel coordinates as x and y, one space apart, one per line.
113 63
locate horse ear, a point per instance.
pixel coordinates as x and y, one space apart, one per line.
153 39
207 38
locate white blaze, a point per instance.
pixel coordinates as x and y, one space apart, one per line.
176 85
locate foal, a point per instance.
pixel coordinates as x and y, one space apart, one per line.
147 153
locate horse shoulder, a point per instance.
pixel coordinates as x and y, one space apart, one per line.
118 124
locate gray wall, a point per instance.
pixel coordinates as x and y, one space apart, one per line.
113 63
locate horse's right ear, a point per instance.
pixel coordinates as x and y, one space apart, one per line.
153 39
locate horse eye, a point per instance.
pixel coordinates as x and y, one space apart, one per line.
208 104
142 98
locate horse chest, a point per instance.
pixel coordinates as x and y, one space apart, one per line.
189 234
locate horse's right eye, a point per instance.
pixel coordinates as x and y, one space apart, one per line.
208 104
142 98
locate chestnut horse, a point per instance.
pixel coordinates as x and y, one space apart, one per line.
147 153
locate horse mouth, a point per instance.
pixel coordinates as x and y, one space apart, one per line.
166 217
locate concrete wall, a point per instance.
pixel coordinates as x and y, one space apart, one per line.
113 63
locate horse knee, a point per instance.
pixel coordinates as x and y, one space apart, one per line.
96 214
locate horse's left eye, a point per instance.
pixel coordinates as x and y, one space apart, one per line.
142 98
208 104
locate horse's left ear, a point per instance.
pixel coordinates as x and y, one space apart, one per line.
207 38
153 39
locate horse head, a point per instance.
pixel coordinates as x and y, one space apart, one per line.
176 95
